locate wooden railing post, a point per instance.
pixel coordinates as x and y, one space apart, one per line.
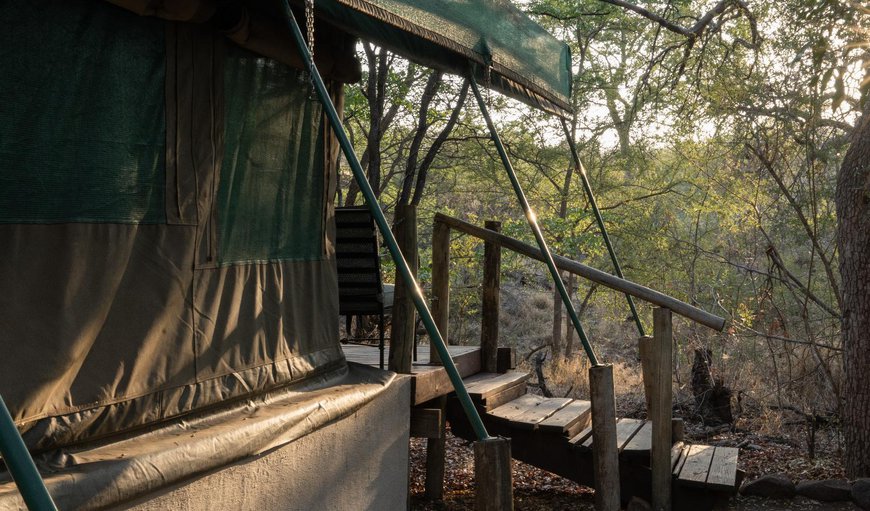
403 324
645 350
662 405
436 447
490 301
440 283
605 458
493 483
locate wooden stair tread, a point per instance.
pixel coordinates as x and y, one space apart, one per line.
625 431
517 407
501 397
482 385
723 469
569 420
697 465
641 442
535 414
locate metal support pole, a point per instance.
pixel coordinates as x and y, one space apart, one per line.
21 466
380 219
533 222
598 218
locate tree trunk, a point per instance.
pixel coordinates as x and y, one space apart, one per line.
853 243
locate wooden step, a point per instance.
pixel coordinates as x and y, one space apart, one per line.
569 420
641 443
509 411
482 386
709 467
626 429
535 413
493 401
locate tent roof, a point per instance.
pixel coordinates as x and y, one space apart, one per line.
527 63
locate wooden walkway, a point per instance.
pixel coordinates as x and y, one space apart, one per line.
555 434
429 381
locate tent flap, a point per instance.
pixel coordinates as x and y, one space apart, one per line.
525 61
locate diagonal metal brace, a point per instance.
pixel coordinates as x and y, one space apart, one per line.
533 223
598 218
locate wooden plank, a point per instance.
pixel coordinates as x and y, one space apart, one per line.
723 469
625 430
480 386
425 422
677 457
531 418
517 407
580 438
569 420
432 381
493 401
641 442
603 278
489 306
697 465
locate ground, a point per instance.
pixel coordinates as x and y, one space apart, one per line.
538 490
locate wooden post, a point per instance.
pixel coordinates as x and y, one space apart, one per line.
440 284
402 331
494 489
605 458
436 448
645 350
490 302
662 437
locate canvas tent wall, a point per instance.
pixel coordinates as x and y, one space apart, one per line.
164 221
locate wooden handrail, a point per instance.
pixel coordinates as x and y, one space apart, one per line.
644 293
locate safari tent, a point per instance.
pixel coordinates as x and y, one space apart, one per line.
168 283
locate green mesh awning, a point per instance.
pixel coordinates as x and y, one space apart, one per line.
527 62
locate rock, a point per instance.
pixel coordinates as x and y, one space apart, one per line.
775 486
861 493
638 504
828 490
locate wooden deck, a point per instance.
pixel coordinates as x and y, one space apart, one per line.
429 381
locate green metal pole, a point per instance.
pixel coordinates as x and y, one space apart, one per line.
380 219
533 222
21 466
598 218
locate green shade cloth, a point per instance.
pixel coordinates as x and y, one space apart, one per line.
527 62
270 200
82 132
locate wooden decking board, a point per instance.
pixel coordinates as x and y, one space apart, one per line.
429 381
697 465
517 407
723 469
482 385
641 442
569 419
539 412
677 457
625 429
493 401
581 437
